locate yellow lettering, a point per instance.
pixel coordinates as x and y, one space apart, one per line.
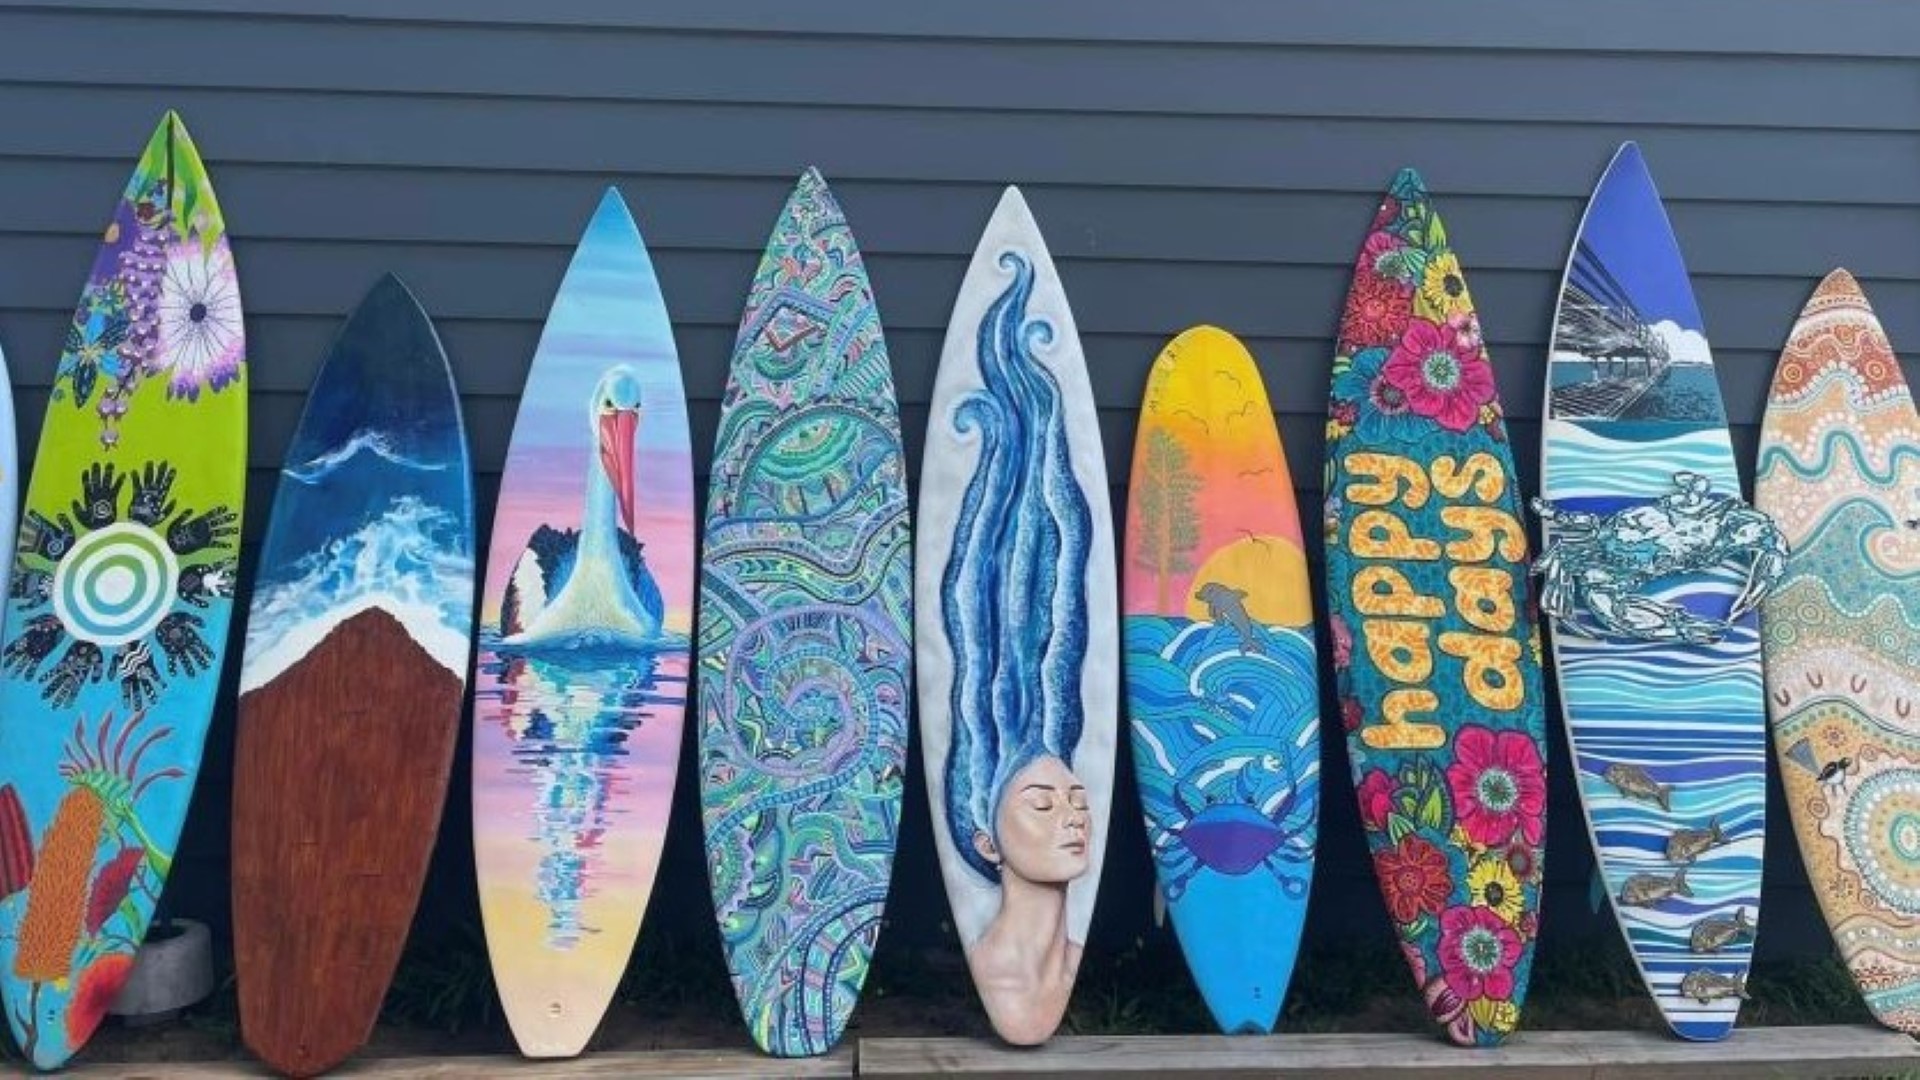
1482 473
1486 529
1484 596
1383 590
1399 649
1389 472
1492 676
1377 534
1395 732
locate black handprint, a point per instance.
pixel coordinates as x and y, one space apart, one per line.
139 679
189 534
180 639
201 584
25 653
99 501
151 487
35 587
47 539
82 665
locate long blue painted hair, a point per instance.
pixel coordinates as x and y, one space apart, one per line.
1013 597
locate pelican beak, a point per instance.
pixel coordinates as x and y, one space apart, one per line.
617 430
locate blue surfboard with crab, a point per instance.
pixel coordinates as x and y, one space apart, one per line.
1223 692
1651 574
117 607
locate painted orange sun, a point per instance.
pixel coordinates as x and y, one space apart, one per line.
1271 570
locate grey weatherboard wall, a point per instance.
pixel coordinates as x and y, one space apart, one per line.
1207 161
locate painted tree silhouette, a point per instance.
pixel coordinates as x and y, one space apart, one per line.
1168 529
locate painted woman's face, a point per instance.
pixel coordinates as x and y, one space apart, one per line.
1043 823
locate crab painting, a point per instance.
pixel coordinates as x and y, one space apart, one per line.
1239 812
1600 563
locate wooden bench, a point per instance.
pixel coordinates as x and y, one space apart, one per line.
1750 1053
1590 1055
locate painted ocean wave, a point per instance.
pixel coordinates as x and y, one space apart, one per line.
408 560
1223 726
365 441
1833 446
1021 544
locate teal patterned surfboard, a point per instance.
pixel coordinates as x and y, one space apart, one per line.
1434 644
805 655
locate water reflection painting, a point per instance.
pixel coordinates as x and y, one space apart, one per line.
581 681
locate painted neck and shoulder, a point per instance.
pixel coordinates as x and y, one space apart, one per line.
1024 964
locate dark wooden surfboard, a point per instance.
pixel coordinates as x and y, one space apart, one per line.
356 659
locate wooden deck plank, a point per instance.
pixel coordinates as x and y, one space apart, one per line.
1589 1055
640 1065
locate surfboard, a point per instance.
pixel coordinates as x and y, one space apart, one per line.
580 676
359 635
9 460
1839 473
117 609
1017 716
1648 553
1223 691
1435 650
805 631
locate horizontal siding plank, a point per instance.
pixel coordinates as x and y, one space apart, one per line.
490 361
402 207
705 288
609 138
643 64
1761 27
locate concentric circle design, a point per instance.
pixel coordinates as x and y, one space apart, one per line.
1883 836
115 585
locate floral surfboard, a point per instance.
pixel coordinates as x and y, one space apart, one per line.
117 611
358 640
1651 571
1223 693
580 679
1840 473
805 660
1435 649
1016 645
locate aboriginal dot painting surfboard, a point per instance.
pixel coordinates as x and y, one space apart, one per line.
1016 642
805 662
358 641
580 682
1434 645
1840 474
122 585
1223 694
1651 573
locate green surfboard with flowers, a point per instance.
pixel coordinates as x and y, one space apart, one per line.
1435 648
117 606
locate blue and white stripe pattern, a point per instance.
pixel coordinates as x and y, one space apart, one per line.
1679 724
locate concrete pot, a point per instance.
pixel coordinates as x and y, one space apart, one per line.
172 970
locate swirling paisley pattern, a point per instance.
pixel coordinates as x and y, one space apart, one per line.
804 672
1840 470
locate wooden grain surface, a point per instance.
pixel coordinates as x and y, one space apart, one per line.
342 773
693 1064
1591 1055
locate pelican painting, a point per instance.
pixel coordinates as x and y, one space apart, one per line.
580 677
591 587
